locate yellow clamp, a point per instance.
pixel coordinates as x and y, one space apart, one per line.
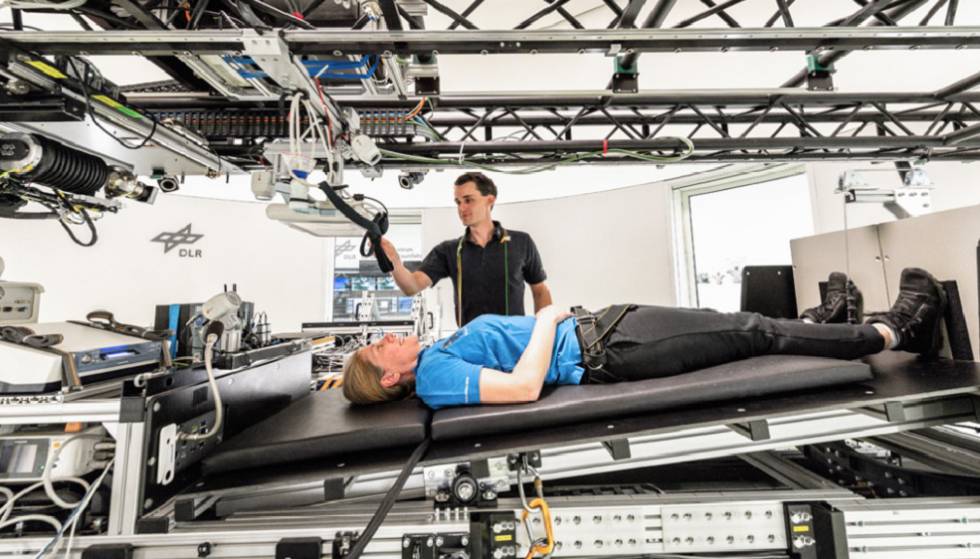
549 547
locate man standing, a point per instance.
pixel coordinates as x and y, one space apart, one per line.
488 265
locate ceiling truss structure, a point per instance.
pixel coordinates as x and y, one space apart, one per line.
800 119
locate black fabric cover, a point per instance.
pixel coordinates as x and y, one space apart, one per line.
319 426
565 405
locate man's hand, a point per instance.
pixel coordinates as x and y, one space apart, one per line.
409 282
552 314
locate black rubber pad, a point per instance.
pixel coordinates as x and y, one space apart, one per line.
321 425
566 405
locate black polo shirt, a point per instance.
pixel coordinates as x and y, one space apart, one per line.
483 271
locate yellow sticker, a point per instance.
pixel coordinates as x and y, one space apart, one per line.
47 69
503 538
801 528
108 101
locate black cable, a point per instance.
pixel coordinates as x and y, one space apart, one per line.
272 10
9 25
197 13
91 112
109 18
91 228
389 501
80 20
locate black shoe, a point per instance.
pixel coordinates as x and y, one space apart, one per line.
917 314
833 310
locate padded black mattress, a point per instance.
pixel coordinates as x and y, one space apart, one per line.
325 425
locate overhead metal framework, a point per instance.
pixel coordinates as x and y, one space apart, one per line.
803 118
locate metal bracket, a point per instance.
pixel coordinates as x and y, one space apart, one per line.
167 454
619 449
626 79
975 398
299 548
109 551
433 546
333 489
427 86
533 459
342 544
895 412
757 430
272 54
799 531
818 76
195 508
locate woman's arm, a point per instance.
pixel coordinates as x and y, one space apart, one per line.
524 383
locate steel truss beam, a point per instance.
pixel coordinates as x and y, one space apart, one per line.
157 43
882 11
535 128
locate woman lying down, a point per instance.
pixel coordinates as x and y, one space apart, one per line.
505 360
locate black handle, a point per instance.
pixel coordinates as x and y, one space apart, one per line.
375 228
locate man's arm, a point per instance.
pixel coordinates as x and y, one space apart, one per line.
541 294
524 383
409 282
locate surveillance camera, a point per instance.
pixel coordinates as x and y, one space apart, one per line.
168 184
408 179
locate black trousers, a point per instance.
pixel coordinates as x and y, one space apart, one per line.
661 341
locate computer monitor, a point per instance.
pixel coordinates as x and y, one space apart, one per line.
341 283
386 282
404 305
363 283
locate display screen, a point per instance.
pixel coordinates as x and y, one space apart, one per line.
363 283
404 305
341 283
122 354
387 282
20 457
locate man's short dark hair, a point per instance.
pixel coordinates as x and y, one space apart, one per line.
482 182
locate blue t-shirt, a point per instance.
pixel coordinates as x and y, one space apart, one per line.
448 372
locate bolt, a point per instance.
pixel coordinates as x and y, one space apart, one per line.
406 542
750 538
710 540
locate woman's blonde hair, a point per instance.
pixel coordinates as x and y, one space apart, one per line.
362 382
